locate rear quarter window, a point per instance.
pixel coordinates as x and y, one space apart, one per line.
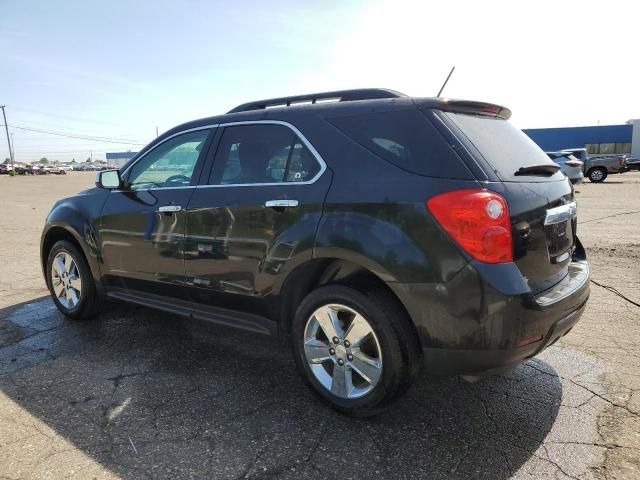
405 138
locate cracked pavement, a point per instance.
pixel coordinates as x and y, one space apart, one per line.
143 394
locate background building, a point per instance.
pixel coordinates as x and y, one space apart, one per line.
598 140
118 159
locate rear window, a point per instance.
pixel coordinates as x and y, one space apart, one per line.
505 147
563 158
405 138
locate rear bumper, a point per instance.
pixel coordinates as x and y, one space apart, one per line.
443 361
479 322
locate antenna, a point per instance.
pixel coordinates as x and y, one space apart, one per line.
445 82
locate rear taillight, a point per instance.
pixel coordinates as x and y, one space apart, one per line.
477 220
573 163
621 161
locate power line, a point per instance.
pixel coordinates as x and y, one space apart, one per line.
80 137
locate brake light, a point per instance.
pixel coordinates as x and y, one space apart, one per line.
477 220
573 163
493 109
621 160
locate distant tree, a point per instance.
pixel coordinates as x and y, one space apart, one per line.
44 160
88 160
73 160
7 161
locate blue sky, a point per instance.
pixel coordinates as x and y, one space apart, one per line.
116 69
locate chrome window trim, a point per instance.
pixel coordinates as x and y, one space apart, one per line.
561 214
307 143
153 189
182 132
293 128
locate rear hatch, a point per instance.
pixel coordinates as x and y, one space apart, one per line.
540 199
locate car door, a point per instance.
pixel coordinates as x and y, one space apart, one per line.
142 226
255 218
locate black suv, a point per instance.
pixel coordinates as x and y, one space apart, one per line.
375 231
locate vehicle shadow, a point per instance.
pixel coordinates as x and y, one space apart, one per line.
146 394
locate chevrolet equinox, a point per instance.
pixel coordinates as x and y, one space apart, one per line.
375 232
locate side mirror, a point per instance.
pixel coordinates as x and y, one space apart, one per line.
109 179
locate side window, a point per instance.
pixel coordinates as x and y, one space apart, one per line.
170 164
262 153
405 138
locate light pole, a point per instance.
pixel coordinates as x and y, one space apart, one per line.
6 128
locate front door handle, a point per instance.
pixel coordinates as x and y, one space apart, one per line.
281 203
170 209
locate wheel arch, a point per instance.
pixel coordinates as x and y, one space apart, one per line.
54 234
331 270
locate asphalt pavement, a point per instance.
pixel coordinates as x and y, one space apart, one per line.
138 393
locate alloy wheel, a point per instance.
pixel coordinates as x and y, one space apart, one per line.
342 351
66 281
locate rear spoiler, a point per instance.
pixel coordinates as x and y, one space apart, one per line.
466 106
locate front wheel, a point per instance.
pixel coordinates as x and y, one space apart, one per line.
70 282
355 350
597 174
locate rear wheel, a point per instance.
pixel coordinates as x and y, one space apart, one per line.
349 348
597 174
70 281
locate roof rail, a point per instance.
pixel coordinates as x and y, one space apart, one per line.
339 96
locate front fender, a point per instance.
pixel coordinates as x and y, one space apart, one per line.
78 217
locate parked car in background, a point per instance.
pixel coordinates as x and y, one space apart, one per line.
633 163
599 167
570 165
40 169
5 168
25 169
580 153
58 169
358 226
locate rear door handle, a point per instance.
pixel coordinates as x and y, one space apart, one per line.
170 209
281 203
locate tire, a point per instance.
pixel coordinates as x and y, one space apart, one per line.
88 300
597 174
390 346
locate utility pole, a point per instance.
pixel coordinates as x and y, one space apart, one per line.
91 155
156 132
6 128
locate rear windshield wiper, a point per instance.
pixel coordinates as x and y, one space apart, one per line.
539 169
